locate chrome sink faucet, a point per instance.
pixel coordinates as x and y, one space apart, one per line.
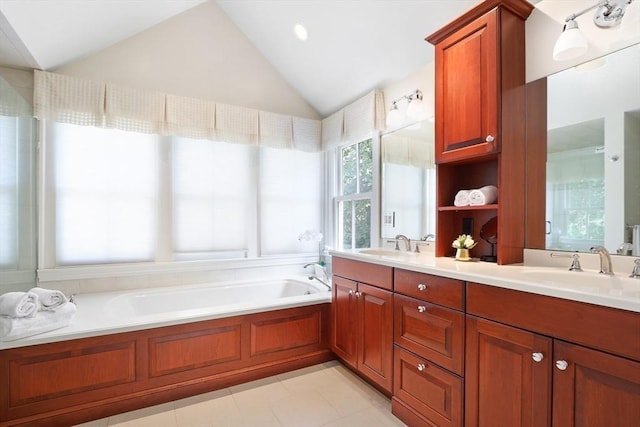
323 272
405 239
605 260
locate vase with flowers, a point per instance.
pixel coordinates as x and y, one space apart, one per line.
462 244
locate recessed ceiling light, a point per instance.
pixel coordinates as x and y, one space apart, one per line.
301 31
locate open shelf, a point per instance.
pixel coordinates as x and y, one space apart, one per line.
469 208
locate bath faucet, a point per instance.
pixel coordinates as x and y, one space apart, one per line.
323 272
405 239
605 260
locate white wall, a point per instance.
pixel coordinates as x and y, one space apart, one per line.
545 24
200 54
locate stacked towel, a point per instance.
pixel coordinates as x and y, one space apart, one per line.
483 196
44 321
462 198
49 298
23 314
476 197
18 304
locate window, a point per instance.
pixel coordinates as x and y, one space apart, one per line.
119 197
355 196
8 193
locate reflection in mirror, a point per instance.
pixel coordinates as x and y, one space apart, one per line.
17 192
408 182
593 154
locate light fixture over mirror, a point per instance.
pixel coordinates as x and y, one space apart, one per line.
572 43
415 111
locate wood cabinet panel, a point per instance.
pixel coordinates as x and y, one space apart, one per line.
185 351
608 329
344 319
372 274
375 358
504 385
596 389
435 289
274 333
433 332
427 390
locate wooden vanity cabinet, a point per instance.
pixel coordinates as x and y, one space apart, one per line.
362 319
480 132
429 349
534 360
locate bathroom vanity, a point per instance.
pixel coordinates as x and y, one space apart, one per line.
478 344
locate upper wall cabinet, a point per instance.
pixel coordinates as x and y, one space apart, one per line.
480 132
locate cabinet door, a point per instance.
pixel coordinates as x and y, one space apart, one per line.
344 314
375 359
467 95
504 384
595 389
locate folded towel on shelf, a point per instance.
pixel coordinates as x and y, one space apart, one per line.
18 304
483 196
49 298
12 328
462 198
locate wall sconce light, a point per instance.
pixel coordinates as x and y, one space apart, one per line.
416 110
572 43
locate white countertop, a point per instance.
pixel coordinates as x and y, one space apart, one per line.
587 286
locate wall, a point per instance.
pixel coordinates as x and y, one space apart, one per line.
545 25
200 54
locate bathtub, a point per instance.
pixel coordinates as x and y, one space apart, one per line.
104 313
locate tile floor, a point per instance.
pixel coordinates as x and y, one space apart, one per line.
326 395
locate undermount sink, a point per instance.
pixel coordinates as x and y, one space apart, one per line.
614 285
388 253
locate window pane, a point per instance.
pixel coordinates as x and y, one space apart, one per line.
362 235
106 190
365 163
347 224
290 200
8 193
349 170
212 193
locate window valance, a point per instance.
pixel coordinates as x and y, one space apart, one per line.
11 103
407 151
74 100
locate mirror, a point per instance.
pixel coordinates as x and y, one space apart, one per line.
17 192
408 182
593 154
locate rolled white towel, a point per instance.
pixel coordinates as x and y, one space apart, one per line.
18 304
462 198
43 321
50 299
483 196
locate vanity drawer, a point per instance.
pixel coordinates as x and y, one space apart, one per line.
364 272
431 331
424 394
435 289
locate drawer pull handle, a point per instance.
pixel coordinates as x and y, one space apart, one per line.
350 292
358 294
562 364
421 367
537 357
422 287
422 308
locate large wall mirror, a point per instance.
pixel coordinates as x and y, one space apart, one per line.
17 192
408 182
593 154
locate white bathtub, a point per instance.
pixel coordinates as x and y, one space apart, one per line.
104 313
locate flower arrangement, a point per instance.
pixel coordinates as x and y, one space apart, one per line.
464 242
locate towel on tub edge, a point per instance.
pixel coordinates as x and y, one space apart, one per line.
49 298
483 196
18 304
12 328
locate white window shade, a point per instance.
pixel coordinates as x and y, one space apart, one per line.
276 130
190 118
66 99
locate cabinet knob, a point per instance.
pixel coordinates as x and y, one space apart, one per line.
562 364
421 367
422 308
489 138
422 287
537 357
351 292
358 294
